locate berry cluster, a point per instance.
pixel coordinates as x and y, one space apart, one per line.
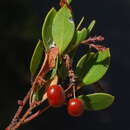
56 98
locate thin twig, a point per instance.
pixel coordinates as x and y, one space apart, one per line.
22 119
98 47
16 116
93 39
35 115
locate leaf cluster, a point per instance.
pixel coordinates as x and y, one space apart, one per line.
59 30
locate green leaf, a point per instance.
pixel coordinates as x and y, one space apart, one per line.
97 101
78 37
38 94
47 29
92 67
81 21
81 35
90 27
37 58
63 29
69 1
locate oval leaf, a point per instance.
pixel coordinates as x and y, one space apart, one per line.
47 29
38 56
97 101
92 67
63 29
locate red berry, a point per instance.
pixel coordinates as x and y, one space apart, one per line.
75 107
56 95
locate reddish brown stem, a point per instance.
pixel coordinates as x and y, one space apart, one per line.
93 39
22 119
16 116
35 115
98 47
47 65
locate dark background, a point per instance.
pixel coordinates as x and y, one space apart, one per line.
20 29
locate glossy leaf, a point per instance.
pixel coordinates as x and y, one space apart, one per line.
92 67
97 101
63 29
47 29
38 56
81 21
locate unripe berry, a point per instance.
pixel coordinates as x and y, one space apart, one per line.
75 107
56 95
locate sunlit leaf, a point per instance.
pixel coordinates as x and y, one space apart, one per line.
92 67
38 56
47 29
97 101
63 29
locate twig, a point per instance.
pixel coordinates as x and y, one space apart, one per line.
16 116
93 39
38 113
23 118
47 65
98 47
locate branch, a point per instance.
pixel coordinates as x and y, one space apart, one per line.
47 65
22 104
35 115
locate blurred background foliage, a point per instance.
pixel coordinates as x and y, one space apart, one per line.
20 29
